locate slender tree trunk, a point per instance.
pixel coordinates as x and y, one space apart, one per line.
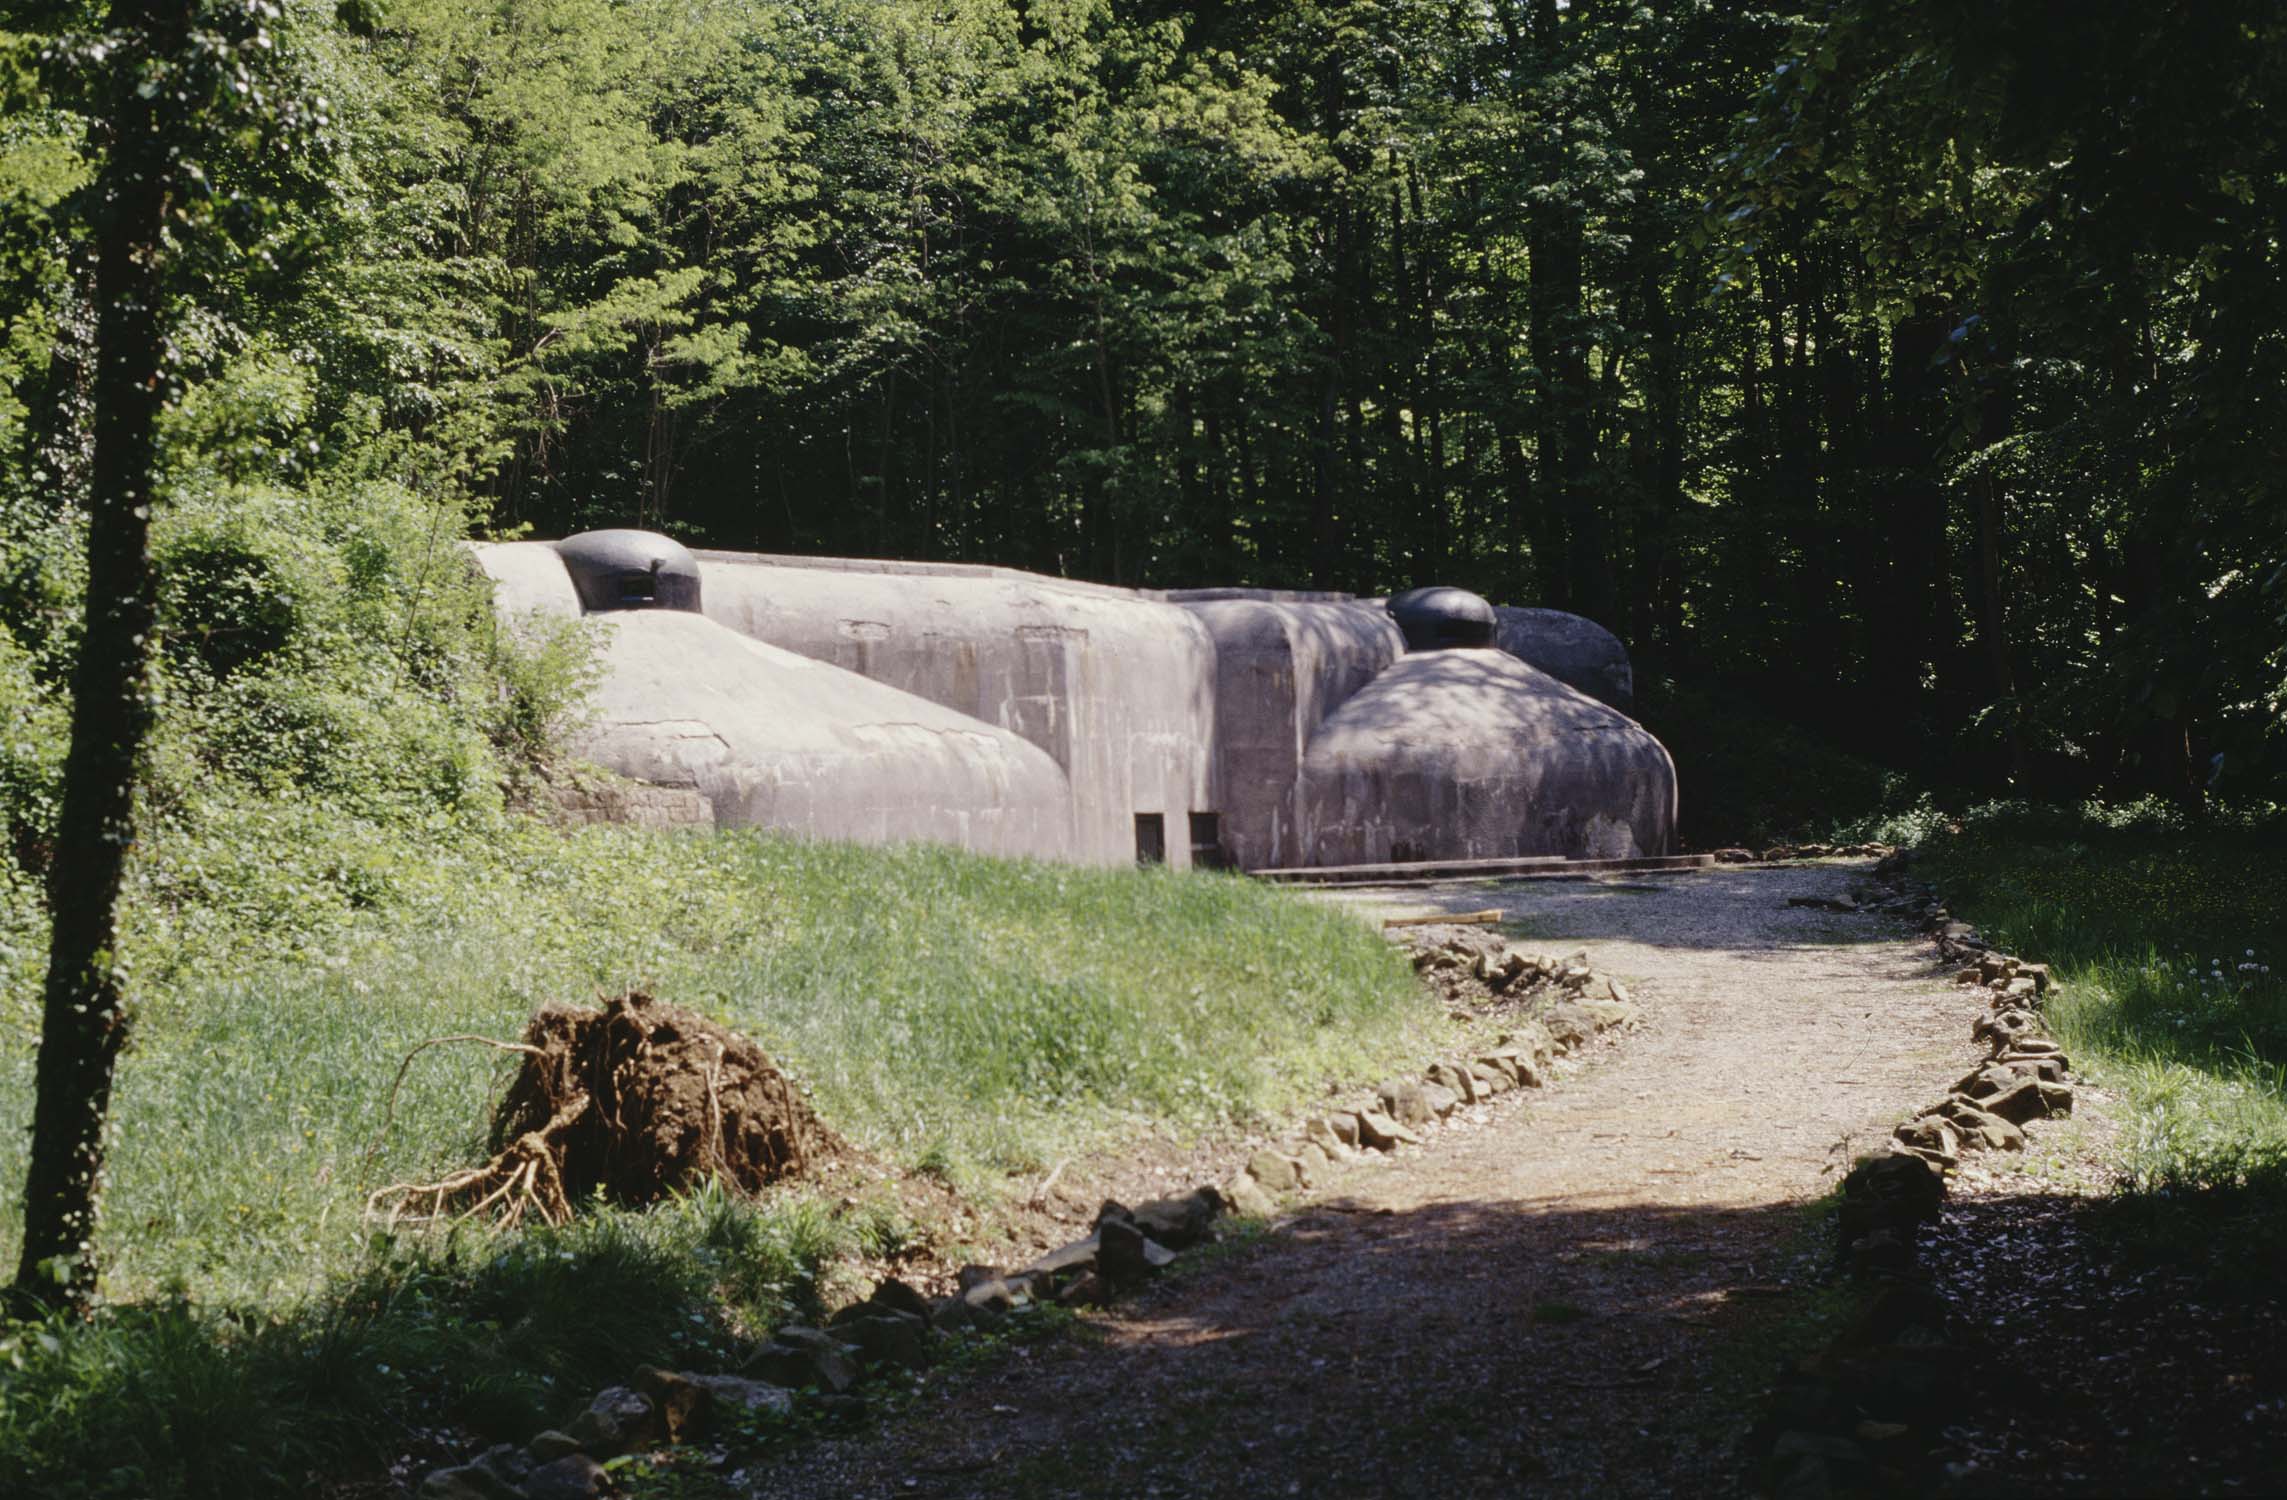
1992 630
1560 348
84 1019
1907 644
1663 493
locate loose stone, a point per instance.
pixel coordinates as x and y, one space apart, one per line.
1246 1196
549 1445
1276 1171
1383 1133
745 1396
618 1419
1319 1131
575 1476
1404 1101
1180 1223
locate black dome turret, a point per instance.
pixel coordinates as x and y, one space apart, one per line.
623 569
1439 619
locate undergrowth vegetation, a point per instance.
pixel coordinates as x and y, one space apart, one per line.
1751 777
972 1015
172 1397
950 1012
2168 939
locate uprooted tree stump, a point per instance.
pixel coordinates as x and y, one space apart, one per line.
633 1100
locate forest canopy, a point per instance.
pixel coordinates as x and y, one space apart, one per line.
1911 375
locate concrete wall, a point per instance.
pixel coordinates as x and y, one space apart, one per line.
775 740
1117 688
1574 650
528 578
1280 669
1018 714
1472 754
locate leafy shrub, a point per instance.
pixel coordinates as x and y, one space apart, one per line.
543 670
235 591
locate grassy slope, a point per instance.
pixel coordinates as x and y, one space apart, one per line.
971 1016
2153 933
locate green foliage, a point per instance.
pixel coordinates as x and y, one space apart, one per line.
500 1337
1962 466
2090 216
2171 949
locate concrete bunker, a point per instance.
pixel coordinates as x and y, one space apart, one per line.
1019 714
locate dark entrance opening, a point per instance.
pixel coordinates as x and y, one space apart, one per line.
639 590
1151 839
1207 840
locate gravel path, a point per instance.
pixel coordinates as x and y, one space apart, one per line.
1550 1297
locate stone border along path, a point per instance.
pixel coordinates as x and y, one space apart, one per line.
1555 1007
1862 1416
1549 1297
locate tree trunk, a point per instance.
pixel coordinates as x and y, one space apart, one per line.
1558 257
1907 643
1656 585
83 1016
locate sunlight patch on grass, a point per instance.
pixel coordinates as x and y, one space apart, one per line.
2168 950
973 1016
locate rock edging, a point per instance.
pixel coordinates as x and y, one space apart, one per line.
1861 1417
1561 1002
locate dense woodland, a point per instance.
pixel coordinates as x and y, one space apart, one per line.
1913 374
1906 384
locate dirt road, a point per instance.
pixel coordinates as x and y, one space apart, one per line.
1552 1297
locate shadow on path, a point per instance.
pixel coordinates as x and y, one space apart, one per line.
1456 1348
1696 910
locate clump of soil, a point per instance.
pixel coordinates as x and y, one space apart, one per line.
635 1100
673 1099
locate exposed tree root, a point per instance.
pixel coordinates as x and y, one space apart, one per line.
633 1100
526 1176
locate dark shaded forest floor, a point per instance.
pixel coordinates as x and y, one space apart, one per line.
2090 1370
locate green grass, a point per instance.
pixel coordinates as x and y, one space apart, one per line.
981 1017
2171 949
972 1017
497 1338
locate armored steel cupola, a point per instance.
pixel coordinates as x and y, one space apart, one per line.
1442 619
625 569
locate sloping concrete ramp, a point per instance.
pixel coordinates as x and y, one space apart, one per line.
776 740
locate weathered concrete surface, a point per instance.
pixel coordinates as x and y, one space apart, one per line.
1471 754
528 578
1280 669
775 740
1575 651
1116 688
1298 720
